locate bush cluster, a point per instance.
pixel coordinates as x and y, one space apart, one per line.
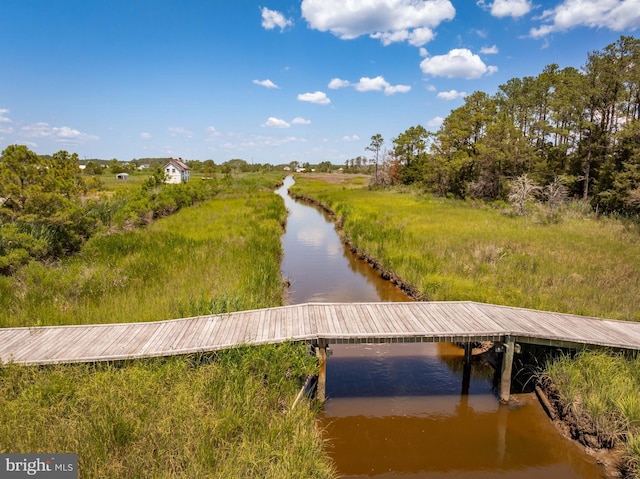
45 214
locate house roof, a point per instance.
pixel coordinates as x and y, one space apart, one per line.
178 164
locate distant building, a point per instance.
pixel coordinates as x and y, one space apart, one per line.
122 176
176 171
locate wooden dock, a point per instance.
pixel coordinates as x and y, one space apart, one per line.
313 322
319 324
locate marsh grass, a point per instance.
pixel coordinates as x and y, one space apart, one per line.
455 250
601 390
219 255
226 415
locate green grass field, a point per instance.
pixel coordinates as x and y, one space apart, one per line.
222 416
452 250
227 415
219 255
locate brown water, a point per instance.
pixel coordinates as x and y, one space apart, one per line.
398 411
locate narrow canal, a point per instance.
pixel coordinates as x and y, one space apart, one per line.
399 410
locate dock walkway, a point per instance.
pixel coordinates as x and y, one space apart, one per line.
326 323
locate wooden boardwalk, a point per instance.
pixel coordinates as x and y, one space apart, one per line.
315 323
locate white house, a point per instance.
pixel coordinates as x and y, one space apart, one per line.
176 171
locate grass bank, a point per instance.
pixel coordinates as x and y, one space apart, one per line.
453 250
597 394
219 255
225 416
220 416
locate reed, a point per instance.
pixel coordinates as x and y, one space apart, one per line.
221 254
600 389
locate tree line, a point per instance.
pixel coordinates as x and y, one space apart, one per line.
576 128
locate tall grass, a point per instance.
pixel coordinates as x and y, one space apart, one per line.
219 255
224 416
454 250
601 390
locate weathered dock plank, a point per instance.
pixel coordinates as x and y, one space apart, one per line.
337 322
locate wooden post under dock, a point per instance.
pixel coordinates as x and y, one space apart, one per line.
507 366
321 353
466 369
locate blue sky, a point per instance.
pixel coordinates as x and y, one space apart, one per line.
273 81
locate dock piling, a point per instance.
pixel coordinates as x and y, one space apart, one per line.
321 353
507 366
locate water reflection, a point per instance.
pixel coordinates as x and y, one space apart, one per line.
397 411
319 266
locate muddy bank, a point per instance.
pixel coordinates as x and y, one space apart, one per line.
608 449
386 274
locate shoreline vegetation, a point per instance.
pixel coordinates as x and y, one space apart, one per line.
229 414
221 415
442 249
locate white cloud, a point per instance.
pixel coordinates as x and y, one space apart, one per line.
180 131
452 94
3 118
420 36
458 63
615 15
436 121
213 131
272 19
336 83
430 88
489 50
68 133
387 38
350 138
318 97
393 89
38 130
388 20
260 141
63 134
266 83
508 8
276 123
145 136
480 33
298 120
370 84
416 37
423 52
6 130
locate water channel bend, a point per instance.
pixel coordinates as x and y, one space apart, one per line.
398 410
